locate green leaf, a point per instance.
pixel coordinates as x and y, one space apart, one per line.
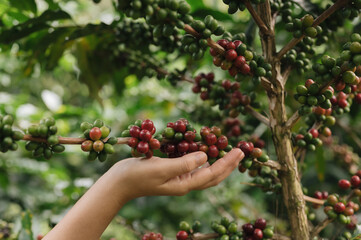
33 25
24 5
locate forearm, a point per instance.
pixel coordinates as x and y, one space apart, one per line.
93 212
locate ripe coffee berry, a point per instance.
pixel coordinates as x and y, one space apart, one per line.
134 131
182 235
143 147
210 139
248 228
145 135
152 236
183 147
95 133
339 207
132 142
180 126
260 223
257 234
213 151
147 125
355 181
154 143
222 142
87 146
344 184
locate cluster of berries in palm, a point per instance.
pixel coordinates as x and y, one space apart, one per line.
141 138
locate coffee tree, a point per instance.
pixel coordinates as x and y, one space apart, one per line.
297 83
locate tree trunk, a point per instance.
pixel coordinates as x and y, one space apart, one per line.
291 186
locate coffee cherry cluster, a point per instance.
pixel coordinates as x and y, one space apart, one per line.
252 152
8 136
264 178
152 236
239 59
303 26
336 208
226 229
309 140
225 94
214 143
298 58
235 5
321 196
258 230
187 230
97 144
45 129
309 95
141 138
284 8
232 127
196 46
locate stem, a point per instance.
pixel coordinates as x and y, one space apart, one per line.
257 115
291 188
316 230
327 13
271 164
313 200
263 28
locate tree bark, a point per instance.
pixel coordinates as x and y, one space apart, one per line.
291 186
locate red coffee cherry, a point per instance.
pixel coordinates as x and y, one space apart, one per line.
349 211
344 184
180 126
248 228
339 207
231 54
355 181
193 147
245 147
182 235
154 143
318 195
358 98
210 139
143 147
147 125
183 147
132 142
256 153
314 133
239 61
189 136
98 146
260 223
222 142
309 82
213 151
257 234
134 131
145 135
95 133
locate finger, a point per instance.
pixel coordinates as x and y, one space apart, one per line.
185 164
217 172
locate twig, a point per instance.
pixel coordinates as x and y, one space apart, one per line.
316 230
351 132
271 164
293 120
313 200
210 42
263 28
257 115
328 12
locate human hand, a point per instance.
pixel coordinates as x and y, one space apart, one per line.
172 176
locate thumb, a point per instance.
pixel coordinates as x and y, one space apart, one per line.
185 164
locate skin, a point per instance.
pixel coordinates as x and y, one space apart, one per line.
136 177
